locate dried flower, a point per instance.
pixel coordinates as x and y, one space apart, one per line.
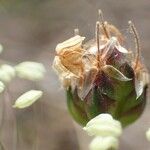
104 143
30 70
27 99
68 62
100 76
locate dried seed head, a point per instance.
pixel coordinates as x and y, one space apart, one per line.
99 76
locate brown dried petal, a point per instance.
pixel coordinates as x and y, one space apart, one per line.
64 74
74 41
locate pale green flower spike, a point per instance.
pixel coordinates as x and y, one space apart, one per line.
148 134
30 70
104 143
103 125
2 86
7 73
1 48
27 99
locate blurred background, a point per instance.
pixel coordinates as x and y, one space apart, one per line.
30 30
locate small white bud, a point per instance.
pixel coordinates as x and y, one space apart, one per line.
2 86
7 73
30 70
103 125
27 99
104 143
148 134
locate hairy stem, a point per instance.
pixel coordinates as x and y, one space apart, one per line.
103 23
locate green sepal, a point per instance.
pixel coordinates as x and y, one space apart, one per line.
76 108
93 105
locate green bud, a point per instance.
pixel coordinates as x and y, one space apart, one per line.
27 99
